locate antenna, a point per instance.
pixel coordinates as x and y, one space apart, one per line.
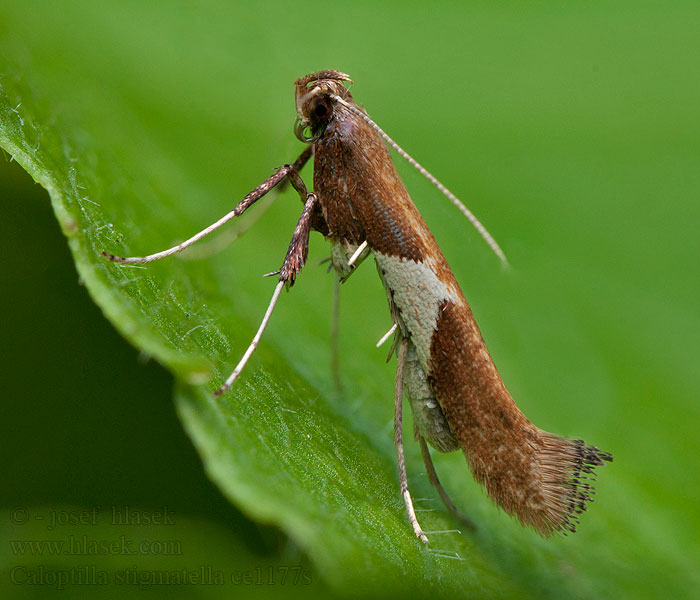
488 238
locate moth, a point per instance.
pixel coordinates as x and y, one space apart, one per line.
459 401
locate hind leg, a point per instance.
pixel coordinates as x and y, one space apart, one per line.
435 481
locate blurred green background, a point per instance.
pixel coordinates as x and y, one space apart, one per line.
571 131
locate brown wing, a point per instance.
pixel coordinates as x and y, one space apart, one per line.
538 476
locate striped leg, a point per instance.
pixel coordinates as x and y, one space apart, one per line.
398 440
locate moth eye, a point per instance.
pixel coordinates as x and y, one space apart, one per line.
322 110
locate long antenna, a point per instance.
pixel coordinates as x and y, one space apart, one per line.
488 238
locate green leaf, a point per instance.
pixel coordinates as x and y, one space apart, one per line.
146 124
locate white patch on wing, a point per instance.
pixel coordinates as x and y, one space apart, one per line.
417 293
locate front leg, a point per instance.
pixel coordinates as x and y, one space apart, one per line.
293 263
299 246
281 176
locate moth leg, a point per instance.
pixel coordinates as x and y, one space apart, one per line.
293 263
398 440
335 336
435 481
335 325
285 172
343 266
224 240
298 250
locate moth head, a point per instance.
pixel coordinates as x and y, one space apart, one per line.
315 105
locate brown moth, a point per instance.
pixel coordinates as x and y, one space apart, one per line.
361 206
